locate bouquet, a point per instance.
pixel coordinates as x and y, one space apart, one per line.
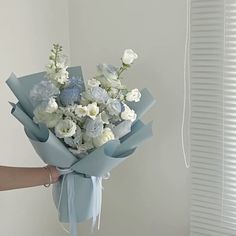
85 129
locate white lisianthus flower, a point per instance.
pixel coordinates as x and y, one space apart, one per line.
128 114
93 110
129 56
133 95
65 128
81 111
42 116
106 136
75 140
51 106
104 117
93 83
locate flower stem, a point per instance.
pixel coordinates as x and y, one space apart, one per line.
122 69
57 49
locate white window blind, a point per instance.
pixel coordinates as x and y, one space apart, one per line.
213 117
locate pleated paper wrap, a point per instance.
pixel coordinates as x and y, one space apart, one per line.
81 183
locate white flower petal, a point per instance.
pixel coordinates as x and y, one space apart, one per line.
129 56
133 95
93 110
128 114
65 128
106 136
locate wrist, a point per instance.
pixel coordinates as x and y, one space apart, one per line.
52 170
49 179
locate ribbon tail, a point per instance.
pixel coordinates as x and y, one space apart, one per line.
94 218
97 200
71 204
99 205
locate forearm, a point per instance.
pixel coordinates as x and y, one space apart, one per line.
21 177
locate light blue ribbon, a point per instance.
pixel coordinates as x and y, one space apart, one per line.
69 177
97 197
71 204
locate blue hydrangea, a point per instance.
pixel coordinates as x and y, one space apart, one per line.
69 96
75 140
76 82
42 92
99 95
114 107
94 127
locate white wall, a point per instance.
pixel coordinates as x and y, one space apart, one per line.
148 194
28 29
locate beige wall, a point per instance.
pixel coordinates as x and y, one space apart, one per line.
28 29
148 194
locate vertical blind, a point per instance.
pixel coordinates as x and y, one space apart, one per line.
213 117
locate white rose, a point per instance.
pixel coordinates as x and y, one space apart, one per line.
93 83
93 110
81 111
106 136
51 105
65 128
128 114
133 95
49 119
129 56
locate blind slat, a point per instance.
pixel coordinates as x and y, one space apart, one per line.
213 117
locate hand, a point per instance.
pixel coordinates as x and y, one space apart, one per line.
23 177
54 173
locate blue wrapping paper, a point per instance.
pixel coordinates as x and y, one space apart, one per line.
52 151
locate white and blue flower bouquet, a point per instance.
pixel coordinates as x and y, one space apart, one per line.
83 129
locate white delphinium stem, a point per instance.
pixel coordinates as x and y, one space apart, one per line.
57 67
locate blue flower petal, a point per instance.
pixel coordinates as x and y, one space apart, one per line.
69 96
